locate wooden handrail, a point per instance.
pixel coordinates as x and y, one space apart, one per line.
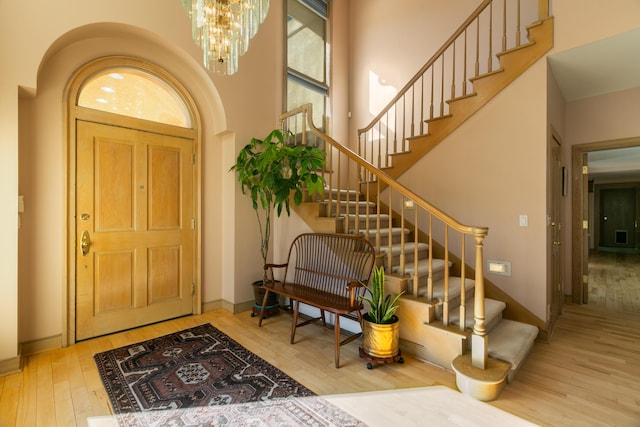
383 177
374 181
368 172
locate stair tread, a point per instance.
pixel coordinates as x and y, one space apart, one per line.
408 247
362 216
349 202
492 309
385 231
454 287
423 267
510 341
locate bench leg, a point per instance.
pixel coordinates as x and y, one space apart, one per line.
264 306
294 323
337 338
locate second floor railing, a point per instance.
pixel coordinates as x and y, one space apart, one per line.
472 50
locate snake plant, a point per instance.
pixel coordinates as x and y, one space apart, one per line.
383 307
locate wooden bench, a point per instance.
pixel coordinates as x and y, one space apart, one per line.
326 271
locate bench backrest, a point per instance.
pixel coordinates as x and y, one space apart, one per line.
328 262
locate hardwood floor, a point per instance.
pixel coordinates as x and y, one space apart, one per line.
589 374
614 281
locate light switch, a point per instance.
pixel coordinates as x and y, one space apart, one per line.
524 220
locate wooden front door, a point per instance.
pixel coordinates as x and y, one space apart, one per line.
135 254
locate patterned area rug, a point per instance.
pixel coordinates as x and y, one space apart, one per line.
196 367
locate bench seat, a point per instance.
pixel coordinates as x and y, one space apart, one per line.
317 298
326 271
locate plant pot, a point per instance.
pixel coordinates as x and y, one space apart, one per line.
381 341
258 294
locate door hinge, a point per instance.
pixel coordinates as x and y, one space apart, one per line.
585 225
193 289
585 170
193 158
585 279
193 223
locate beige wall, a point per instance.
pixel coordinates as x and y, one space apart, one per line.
33 148
596 119
501 151
392 40
603 118
506 138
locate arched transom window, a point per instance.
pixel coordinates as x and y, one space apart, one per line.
134 93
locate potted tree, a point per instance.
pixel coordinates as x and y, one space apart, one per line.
380 326
269 170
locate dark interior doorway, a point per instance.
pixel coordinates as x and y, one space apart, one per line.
618 217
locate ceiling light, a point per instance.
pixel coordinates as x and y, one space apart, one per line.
223 28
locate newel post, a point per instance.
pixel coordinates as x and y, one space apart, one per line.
479 339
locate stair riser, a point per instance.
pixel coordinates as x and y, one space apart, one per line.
396 239
362 223
422 281
491 318
344 209
408 257
342 195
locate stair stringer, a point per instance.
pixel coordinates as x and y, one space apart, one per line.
513 63
430 342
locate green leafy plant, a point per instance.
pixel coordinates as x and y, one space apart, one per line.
269 170
383 307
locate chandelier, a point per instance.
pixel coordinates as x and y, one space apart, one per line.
223 28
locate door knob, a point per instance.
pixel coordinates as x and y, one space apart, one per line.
85 243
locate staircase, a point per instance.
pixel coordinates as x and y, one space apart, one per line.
462 76
445 317
406 260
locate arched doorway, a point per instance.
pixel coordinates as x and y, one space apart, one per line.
132 195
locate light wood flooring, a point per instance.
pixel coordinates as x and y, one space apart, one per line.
614 281
589 374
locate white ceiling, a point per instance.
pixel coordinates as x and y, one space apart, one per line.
608 65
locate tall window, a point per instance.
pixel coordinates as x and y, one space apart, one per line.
307 61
